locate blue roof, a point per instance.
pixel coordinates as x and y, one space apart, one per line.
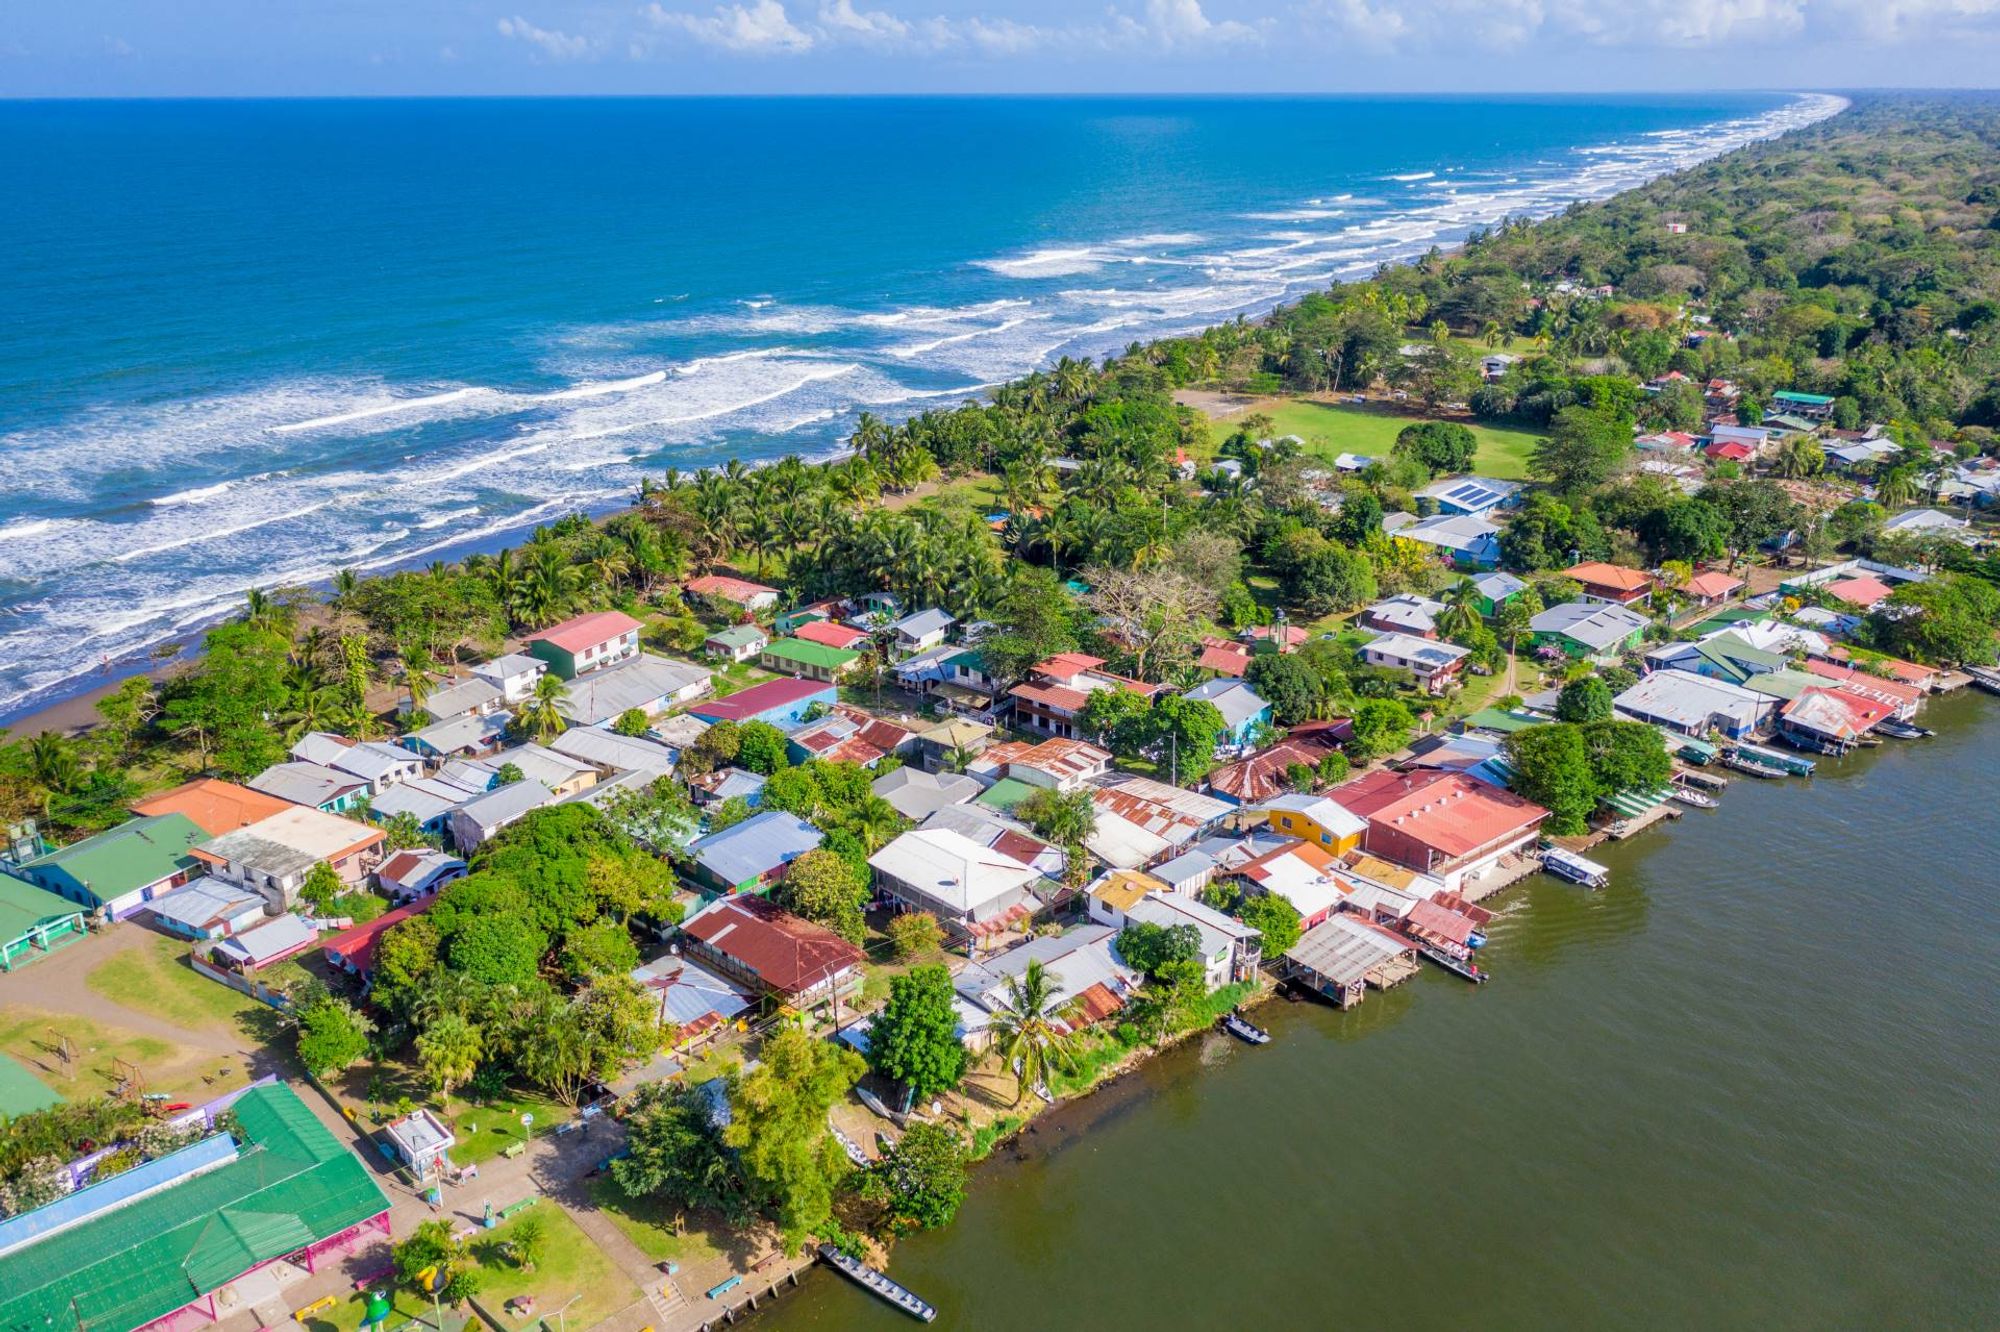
755 847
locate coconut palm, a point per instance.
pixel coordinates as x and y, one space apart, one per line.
540 713
52 759
1898 487
415 666
1028 1028
1461 609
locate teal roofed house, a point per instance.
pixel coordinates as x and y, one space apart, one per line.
33 921
177 1232
1813 406
121 869
807 660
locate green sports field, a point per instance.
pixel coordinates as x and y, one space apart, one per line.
1328 430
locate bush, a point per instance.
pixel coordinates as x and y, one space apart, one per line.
915 934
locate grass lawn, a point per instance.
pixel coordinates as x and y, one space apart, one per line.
153 977
571 1266
1329 429
405 1306
485 1130
738 675
184 1073
649 1224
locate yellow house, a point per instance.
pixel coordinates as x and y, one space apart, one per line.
1315 819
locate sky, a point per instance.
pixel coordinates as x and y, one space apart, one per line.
248 48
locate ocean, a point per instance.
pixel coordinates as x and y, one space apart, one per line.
251 343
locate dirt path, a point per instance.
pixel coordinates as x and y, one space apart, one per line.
60 984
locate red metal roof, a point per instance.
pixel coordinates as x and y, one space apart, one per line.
356 947
739 590
788 954
1596 573
1228 660
1864 591
1713 584
1267 772
829 634
585 631
1060 697
1447 812
1895 692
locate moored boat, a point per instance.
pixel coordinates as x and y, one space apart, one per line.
1985 677
1751 766
1247 1032
1575 868
1902 730
1692 798
1462 967
876 1283
1776 758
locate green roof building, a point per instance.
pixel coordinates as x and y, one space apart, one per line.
121 869
174 1231
808 661
1004 794
33 921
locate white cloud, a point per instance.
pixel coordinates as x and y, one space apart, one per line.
554 45
761 28
1639 24
765 27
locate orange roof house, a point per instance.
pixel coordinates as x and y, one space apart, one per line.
1712 586
1611 582
1863 591
215 807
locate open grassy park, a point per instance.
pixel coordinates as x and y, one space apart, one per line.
153 976
1334 428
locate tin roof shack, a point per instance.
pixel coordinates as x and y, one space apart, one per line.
780 955
1339 958
695 1003
752 855
265 945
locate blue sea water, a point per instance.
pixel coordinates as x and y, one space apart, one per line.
255 342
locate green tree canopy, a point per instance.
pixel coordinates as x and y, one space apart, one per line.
914 1038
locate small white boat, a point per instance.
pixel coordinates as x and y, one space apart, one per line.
1569 865
1692 798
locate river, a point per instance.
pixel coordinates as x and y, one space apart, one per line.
1753 1083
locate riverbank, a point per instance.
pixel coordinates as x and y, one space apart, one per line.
1740 1087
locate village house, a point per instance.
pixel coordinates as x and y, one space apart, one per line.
693 1002
777 954
480 818
1857 576
1431 665
563 774
1929 523
313 785
975 891
1750 440
1464 541
832 634
121 869
215 806
966 684
1493 591
381 766
468 735
1052 699
612 754
514 674
1221 657
1448 825
919 631
1140 821
750 856
1712 588
1410 614
1094 982
1314 818
1589 631
952 744
586 643
739 642
430 800
1831 719
1244 712
1267 772
642 682
1469 494
1721 656
1303 874
204 909
917 794
997 832
1230 950
1611 584
1279 638
751 597
807 661
457 698
263 945
782 703
847 734
726 784
1902 697
274 855
1813 407
408 875
1062 764
1692 704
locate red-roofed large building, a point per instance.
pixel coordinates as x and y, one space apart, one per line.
1611 583
1832 717
737 591
1448 825
752 940
1901 696
586 643
1054 695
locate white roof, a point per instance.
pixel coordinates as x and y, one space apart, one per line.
1424 653
273 938
464 732
1408 611
1925 520
1123 844
1689 700
461 697
503 804
1328 813
951 867
1170 909
1296 880
291 840
614 752
1235 700
1453 531
602 695
204 902
508 666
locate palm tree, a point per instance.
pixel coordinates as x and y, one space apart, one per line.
540 714
1898 487
52 759
1029 1031
1461 609
415 666
874 821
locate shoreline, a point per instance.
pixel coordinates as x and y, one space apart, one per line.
55 705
